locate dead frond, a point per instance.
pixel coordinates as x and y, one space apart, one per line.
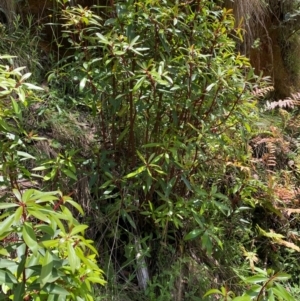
262 92
271 151
284 195
289 102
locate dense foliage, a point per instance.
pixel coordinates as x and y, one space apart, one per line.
44 255
150 122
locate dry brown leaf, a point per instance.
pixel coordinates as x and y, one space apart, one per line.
290 211
288 244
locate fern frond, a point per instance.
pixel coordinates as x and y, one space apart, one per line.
262 92
285 103
296 96
289 102
284 195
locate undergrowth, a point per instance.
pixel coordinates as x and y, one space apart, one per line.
151 124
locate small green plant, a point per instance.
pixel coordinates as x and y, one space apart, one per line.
263 286
44 255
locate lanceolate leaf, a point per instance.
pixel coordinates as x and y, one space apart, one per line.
135 173
19 291
96 280
282 293
77 229
69 173
10 264
47 267
25 155
212 292
30 238
75 205
282 276
55 289
21 266
7 205
5 225
72 258
7 277
18 214
39 215
242 298
256 279
193 234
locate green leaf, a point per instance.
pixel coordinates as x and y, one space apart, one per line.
30 238
77 229
21 94
213 291
17 194
25 155
19 291
8 205
25 76
282 276
138 83
206 242
38 215
103 39
127 217
54 289
21 265
7 277
46 229
107 183
5 263
5 225
91 247
209 87
242 298
69 173
133 41
47 267
18 215
256 279
6 56
52 297
75 205
193 234
43 167
17 109
135 173
96 280
72 257
50 243
152 145
186 182
282 293
32 87
141 157
27 195
82 84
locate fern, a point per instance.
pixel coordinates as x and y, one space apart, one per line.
284 195
262 92
289 102
271 151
